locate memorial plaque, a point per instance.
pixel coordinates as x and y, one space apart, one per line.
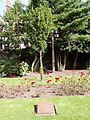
45 108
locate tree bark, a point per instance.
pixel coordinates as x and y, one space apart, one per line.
60 62
58 58
41 66
35 67
64 61
75 61
58 65
35 59
53 55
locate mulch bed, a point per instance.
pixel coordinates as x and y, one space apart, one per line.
41 91
57 73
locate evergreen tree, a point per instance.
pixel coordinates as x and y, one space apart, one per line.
14 24
71 24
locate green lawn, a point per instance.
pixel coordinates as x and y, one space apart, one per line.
68 108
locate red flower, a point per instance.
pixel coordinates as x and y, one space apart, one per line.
81 73
49 81
48 72
57 79
32 83
13 76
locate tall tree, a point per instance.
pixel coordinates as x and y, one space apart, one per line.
40 25
70 18
14 24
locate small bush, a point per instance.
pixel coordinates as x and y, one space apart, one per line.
12 66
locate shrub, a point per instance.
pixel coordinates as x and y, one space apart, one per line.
12 66
23 68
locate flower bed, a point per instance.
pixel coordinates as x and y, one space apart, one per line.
50 87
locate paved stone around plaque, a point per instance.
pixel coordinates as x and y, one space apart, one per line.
45 108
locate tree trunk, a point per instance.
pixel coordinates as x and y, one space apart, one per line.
41 66
58 58
60 62
53 55
32 67
75 61
35 67
58 65
64 61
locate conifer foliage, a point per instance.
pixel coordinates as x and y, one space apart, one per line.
71 22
